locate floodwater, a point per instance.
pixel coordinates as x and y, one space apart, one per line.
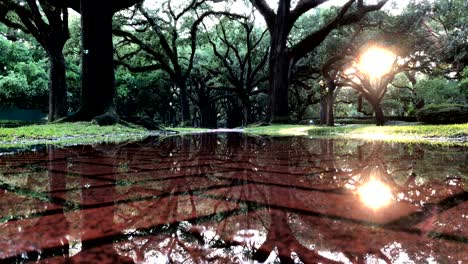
229 198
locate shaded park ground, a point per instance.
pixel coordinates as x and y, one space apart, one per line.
37 136
233 198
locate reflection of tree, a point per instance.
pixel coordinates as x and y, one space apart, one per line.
222 198
56 182
99 250
280 237
372 158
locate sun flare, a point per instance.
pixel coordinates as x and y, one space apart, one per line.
376 62
375 194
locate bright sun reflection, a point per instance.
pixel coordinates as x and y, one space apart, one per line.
375 194
376 62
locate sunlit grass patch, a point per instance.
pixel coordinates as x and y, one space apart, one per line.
431 134
410 130
280 130
289 130
187 129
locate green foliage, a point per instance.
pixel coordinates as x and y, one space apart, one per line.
355 121
463 84
13 86
143 94
443 114
438 91
23 75
451 18
309 23
393 107
12 52
72 53
24 87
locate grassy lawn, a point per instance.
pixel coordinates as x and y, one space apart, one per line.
67 134
432 134
187 129
87 133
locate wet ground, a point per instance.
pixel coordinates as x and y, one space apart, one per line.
228 198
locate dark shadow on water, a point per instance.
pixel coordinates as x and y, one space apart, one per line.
229 198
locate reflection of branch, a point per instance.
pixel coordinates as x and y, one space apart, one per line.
411 180
281 231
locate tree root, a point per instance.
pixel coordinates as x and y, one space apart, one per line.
109 118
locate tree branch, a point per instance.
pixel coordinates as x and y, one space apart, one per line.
304 6
267 13
118 5
342 18
194 29
156 55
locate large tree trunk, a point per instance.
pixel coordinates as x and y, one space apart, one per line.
376 106
360 106
234 113
97 77
379 116
278 108
58 106
184 104
213 118
246 115
208 118
323 108
330 101
330 112
90 250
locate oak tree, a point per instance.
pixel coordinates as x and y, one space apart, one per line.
49 26
283 57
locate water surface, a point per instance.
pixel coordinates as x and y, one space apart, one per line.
229 198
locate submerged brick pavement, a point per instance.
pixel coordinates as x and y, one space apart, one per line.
228 198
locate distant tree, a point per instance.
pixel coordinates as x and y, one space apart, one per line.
394 33
205 98
303 94
241 54
373 89
49 26
439 91
440 43
145 96
336 61
403 91
328 60
168 39
283 58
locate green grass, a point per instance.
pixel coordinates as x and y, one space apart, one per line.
431 134
87 133
187 129
67 134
